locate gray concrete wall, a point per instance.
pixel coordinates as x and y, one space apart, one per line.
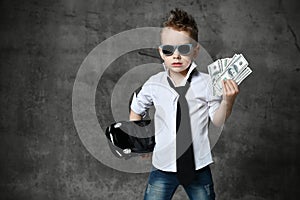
42 46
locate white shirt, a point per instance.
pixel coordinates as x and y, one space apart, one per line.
202 105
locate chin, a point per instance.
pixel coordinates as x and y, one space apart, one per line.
179 69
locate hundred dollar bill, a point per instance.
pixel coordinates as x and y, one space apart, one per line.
235 68
243 75
214 70
218 91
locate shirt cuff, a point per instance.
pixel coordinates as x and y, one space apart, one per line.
137 109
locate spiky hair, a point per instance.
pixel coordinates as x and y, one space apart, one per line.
180 20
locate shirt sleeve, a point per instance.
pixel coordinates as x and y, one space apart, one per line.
213 101
143 100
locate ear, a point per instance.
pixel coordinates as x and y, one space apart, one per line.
196 51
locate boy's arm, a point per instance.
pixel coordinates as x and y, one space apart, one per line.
230 91
141 102
133 116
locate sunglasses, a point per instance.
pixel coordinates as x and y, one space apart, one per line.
183 49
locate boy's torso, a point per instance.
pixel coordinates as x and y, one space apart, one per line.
165 102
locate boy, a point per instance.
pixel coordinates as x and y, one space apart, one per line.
168 91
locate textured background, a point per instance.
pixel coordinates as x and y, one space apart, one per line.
42 46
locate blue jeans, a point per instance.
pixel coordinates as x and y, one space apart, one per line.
162 185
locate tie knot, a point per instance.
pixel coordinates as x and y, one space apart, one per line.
181 90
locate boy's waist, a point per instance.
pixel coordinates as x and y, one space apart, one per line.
201 170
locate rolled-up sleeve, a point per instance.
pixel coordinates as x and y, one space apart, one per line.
143 100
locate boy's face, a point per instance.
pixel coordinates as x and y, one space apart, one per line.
180 60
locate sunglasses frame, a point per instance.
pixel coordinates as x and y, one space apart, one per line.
177 47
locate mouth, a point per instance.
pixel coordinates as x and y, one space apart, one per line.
177 64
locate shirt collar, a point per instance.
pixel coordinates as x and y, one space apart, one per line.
192 67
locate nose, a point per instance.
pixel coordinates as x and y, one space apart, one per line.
176 54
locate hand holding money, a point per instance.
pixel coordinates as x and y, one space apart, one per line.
230 91
235 68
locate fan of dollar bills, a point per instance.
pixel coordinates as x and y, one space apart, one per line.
235 68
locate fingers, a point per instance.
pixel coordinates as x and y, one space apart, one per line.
223 87
233 85
146 156
230 87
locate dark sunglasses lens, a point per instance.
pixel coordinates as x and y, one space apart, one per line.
168 50
184 49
